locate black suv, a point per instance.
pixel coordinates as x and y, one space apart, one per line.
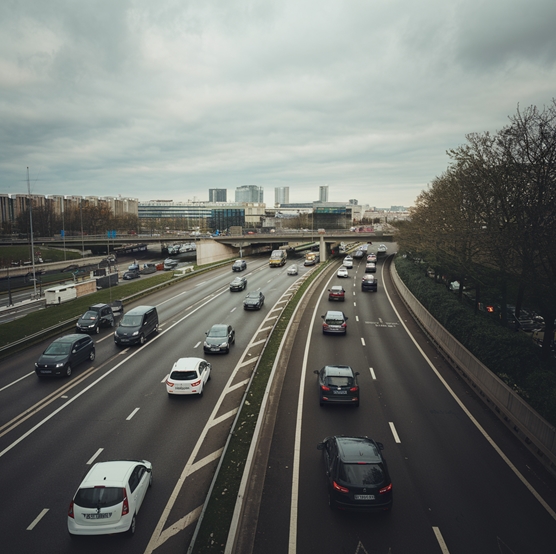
239 265
63 354
357 474
97 316
338 385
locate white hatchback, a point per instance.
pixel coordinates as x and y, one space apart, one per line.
342 272
348 262
108 499
188 376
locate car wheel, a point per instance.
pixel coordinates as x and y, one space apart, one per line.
97 329
131 530
142 339
91 355
68 370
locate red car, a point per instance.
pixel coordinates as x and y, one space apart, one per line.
337 293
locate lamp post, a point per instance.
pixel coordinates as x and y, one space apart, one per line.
31 230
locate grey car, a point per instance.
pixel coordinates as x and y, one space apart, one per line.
219 339
63 354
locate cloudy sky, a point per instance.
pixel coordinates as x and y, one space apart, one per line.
166 99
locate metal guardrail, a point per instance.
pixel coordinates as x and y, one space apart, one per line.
528 425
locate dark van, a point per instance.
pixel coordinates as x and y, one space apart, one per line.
136 326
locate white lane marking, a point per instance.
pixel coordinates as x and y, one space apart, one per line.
380 320
489 439
372 373
110 336
258 342
199 284
233 310
292 542
362 341
197 344
394 432
356 318
37 519
132 414
206 460
94 456
181 524
440 540
354 304
226 416
17 380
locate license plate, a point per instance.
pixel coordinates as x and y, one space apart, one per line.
45 371
364 496
182 387
98 516
215 348
340 392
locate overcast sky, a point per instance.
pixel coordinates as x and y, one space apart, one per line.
166 99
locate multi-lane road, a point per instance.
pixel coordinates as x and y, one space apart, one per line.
462 484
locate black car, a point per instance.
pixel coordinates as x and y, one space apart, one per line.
97 316
370 267
338 385
369 283
63 354
131 275
219 338
239 283
239 265
357 474
253 301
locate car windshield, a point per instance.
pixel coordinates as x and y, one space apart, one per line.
184 375
361 474
131 321
89 315
217 332
252 295
58 349
99 497
339 381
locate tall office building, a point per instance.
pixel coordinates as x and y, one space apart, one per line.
281 195
249 193
323 193
218 195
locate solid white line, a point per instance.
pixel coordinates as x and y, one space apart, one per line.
498 450
17 380
394 432
440 540
372 373
292 542
132 414
37 519
95 456
362 341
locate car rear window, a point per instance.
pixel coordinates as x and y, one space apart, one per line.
339 381
332 321
183 375
361 474
99 497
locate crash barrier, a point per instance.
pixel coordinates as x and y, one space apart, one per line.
531 428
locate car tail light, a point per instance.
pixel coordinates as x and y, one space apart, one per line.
169 383
125 506
196 383
324 387
344 324
325 326
354 389
339 488
386 489
70 510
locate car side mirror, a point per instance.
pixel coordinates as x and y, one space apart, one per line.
316 371
346 317
322 316
357 373
320 446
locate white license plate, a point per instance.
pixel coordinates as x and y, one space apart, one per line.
182 387
364 496
340 392
98 516
215 348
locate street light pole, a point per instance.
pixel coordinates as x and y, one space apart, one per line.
31 230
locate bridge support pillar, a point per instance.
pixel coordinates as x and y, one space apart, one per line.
323 254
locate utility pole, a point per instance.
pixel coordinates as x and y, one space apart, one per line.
30 204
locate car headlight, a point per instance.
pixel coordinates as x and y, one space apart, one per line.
36 364
135 334
206 344
224 345
60 364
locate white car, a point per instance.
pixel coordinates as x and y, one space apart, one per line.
348 262
188 376
292 270
342 272
108 499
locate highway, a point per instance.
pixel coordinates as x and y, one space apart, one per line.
116 407
462 484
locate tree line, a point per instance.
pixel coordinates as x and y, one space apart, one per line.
489 220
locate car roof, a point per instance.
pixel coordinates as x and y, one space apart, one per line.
334 313
338 370
110 473
358 449
368 277
71 338
253 294
187 363
140 310
337 287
